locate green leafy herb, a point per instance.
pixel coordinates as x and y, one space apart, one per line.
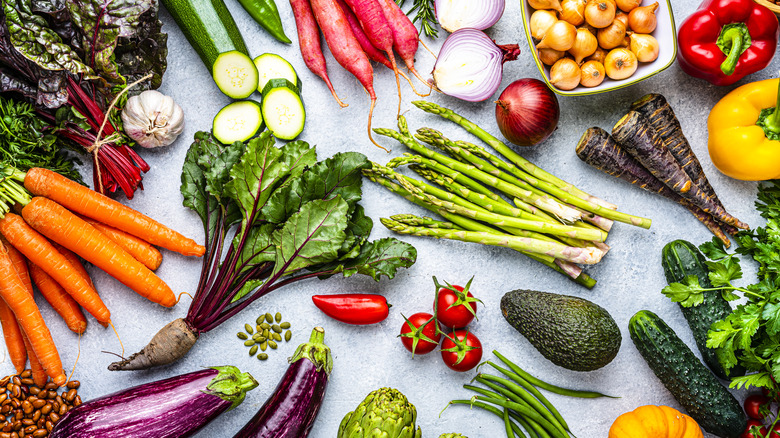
753 327
425 15
28 141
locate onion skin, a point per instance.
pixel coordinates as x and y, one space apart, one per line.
527 112
459 14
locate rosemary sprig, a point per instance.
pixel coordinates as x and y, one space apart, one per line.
425 15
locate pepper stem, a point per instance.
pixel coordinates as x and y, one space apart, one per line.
734 40
772 123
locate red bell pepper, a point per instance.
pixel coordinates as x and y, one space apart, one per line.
357 309
726 40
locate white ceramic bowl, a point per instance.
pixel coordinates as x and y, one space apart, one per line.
665 32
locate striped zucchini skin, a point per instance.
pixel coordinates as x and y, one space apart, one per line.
701 394
681 259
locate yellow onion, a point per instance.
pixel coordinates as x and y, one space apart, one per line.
620 63
565 74
628 5
600 13
560 36
584 45
622 17
540 22
612 36
598 55
643 19
573 11
550 56
644 46
545 4
592 74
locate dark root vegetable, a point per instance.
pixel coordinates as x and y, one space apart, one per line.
527 112
170 344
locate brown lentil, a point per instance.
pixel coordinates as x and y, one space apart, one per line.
29 411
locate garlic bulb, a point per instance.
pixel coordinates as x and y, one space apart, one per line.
152 119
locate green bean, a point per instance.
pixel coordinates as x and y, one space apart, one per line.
529 399
528 412
490 409
525 384
548 386
510 433
532 427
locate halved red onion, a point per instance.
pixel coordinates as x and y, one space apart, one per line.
476 14
470 65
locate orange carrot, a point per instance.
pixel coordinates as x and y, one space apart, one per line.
40 251
13 337
29 318
87 202
75 261
140 249
59 300
20 264
38 373
60 225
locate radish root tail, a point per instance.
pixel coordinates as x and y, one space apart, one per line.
424 81
335 96
183 293
118 338
370 116
397 81
426 47
78 356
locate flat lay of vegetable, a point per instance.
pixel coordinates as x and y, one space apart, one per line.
218 280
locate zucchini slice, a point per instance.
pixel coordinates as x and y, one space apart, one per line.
235 74
282 109
272 66
238 121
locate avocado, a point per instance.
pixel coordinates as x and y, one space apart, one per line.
571 332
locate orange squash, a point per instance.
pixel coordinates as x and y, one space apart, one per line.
654 422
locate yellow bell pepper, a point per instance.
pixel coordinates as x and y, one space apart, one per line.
744 132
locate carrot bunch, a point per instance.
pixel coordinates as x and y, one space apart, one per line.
356 31
59 221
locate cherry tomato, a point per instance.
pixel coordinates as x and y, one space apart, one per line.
461 350
775 431
455 306
750 424
753 405
420 333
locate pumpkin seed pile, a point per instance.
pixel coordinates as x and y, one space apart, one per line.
265 334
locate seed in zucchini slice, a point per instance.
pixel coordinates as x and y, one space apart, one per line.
272 66
235 74
238 121
283 110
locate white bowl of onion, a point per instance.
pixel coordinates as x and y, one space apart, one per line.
629 47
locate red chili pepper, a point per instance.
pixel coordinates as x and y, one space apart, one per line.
726 40
357 309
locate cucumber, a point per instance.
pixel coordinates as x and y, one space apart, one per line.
238 121
690 382
235 74
282 109
272 66
681 259
208 26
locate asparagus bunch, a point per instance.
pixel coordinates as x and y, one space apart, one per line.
539 215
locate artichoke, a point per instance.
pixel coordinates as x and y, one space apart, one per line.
452 435
384 413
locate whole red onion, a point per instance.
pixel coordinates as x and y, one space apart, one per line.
527 112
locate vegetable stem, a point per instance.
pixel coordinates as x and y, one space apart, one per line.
735 36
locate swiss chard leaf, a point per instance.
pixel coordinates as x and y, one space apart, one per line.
380 257
311 236
358 230
144 52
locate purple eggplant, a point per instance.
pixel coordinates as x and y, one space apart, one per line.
292 408
172 408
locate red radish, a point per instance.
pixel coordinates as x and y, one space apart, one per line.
309 38
372 52
405 39
372 19
346 49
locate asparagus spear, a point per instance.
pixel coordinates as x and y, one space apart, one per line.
587 256
504 150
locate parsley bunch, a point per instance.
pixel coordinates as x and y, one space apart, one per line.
750 335
27 141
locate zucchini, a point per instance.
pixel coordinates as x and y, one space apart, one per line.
208 26
681 259
690 382
235 74
283 110
238 121
272 66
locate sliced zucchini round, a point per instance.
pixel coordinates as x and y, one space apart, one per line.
238 121
235 74
272 66
282 109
